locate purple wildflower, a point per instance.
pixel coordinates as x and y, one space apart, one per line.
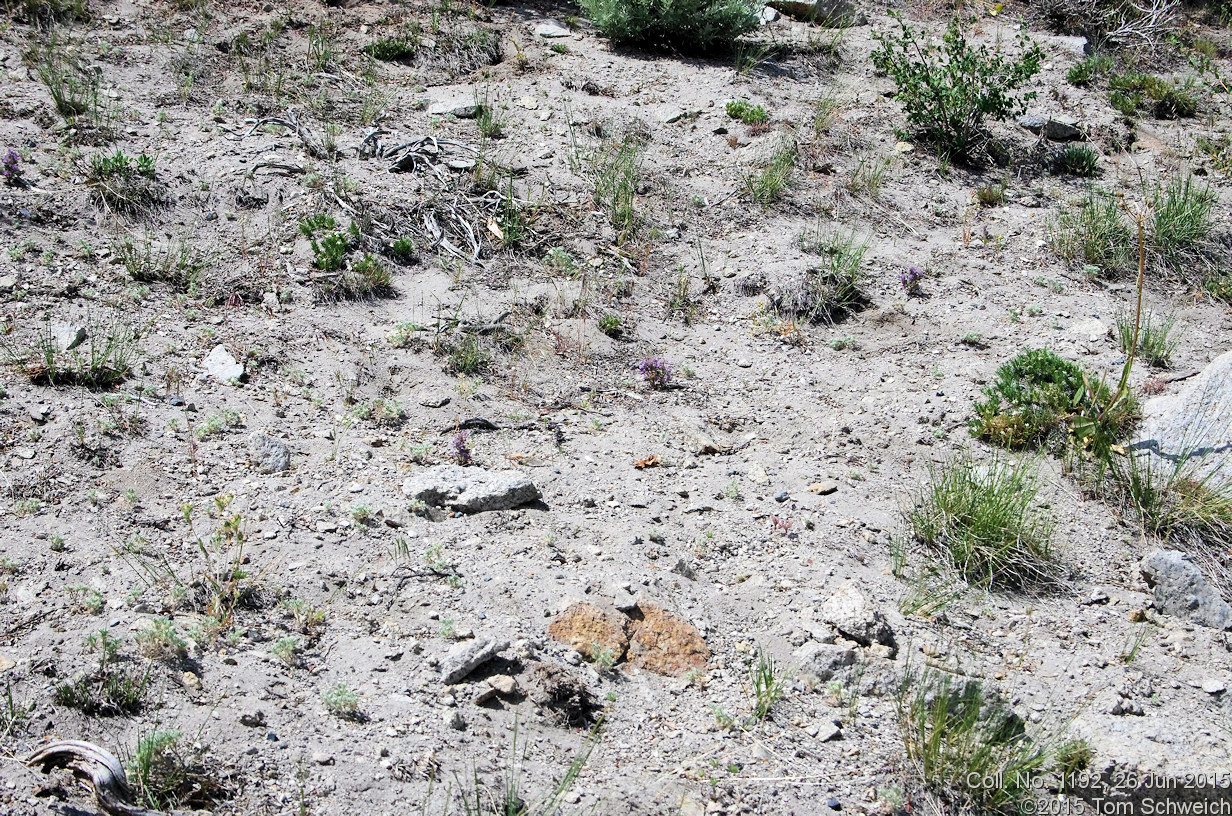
910 279
10 166
656 372
460 447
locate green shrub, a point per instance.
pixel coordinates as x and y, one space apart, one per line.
611 325
949 91
402 250
748 113
126 184
982 518
1035 396
341 701
329 253
688 26
316 223
1096 234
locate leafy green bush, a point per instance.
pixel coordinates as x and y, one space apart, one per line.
689 26
948 91
982 519
1034 397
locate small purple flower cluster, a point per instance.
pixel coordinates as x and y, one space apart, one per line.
10 166
656 372
460 448
910 279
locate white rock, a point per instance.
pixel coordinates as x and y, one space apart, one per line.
221 366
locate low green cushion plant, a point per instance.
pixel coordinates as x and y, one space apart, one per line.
1035 396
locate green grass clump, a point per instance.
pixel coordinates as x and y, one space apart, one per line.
392 49
1167 99
1182 219
766 186
1155 344
834 286
1096 234
617 171
982 519
1088 69
1035 396
957 735
103 361
748 113
687 26
167 777
1078 160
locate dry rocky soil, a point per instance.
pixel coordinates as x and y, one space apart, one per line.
373 546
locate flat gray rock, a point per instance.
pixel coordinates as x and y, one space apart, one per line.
1182 591
468 655
825 660
552 30
1193 427
1057 127
267 454
221 366
459 108
470 490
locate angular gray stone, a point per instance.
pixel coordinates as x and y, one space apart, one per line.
68 336
1182 591
825 660
1057 127
551 30
221 366
470 490
848 611
468 655
267 454
459 108
1193 427
828 13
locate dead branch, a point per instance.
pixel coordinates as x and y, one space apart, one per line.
99 771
